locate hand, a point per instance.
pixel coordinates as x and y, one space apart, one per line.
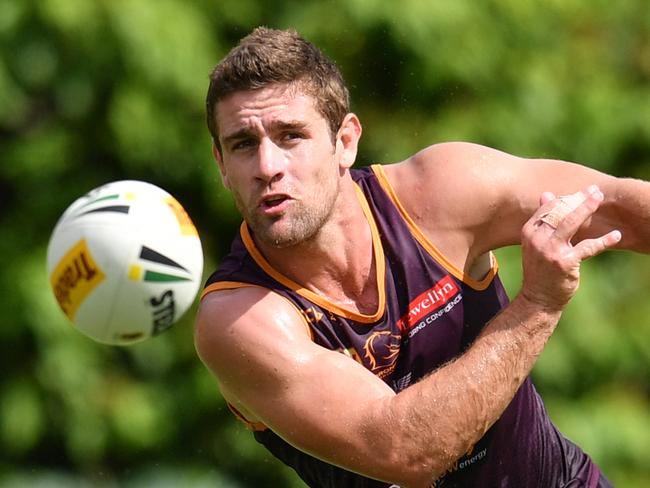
551 263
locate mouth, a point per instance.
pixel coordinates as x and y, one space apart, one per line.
274 203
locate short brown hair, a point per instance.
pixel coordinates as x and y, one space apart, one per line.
268 56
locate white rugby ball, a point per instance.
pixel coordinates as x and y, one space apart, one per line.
124 262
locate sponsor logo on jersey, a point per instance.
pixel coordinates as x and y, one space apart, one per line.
427 303
75 277
472 457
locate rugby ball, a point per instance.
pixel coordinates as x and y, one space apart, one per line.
124 262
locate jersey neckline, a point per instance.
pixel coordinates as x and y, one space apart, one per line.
380 270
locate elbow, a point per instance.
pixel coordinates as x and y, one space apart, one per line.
417 469
418 476
414 454
416 450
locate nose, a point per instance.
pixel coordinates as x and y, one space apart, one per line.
272 161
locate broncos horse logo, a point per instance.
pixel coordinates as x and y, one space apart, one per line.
380 352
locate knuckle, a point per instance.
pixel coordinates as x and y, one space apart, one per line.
574 218
527 232
558 263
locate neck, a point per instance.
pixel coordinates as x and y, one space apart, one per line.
338 263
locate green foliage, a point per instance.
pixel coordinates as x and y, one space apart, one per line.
98 90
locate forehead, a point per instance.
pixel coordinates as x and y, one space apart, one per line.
264 105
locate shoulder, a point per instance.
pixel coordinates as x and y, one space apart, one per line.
453 183
452 161
239 323
464 197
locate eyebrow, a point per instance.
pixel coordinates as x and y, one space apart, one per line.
280 125
235 136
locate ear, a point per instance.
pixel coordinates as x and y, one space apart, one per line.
347 140
222 169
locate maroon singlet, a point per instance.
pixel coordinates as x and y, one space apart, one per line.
428 313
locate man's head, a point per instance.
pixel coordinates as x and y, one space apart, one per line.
268 56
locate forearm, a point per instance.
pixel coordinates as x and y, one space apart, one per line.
444 415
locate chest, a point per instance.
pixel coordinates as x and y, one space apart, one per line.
430 317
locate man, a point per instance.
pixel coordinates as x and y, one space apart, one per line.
358 325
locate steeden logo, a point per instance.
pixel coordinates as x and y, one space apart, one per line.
428 302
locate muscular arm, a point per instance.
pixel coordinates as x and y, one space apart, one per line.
478 198
328 405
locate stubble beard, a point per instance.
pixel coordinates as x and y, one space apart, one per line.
301 226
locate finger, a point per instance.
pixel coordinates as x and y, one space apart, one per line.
556 209
548 202
592 247
576 217
546 197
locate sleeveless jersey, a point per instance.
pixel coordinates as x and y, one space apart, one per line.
428 313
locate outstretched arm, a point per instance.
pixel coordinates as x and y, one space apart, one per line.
476 198
326 404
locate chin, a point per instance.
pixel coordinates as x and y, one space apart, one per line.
286 233
283 240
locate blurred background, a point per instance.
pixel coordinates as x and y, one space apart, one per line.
98 90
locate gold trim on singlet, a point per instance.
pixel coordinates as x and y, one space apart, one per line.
223 285
254 426
233 285
380 270
427 244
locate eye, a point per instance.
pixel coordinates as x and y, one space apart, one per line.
242 144
290 136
